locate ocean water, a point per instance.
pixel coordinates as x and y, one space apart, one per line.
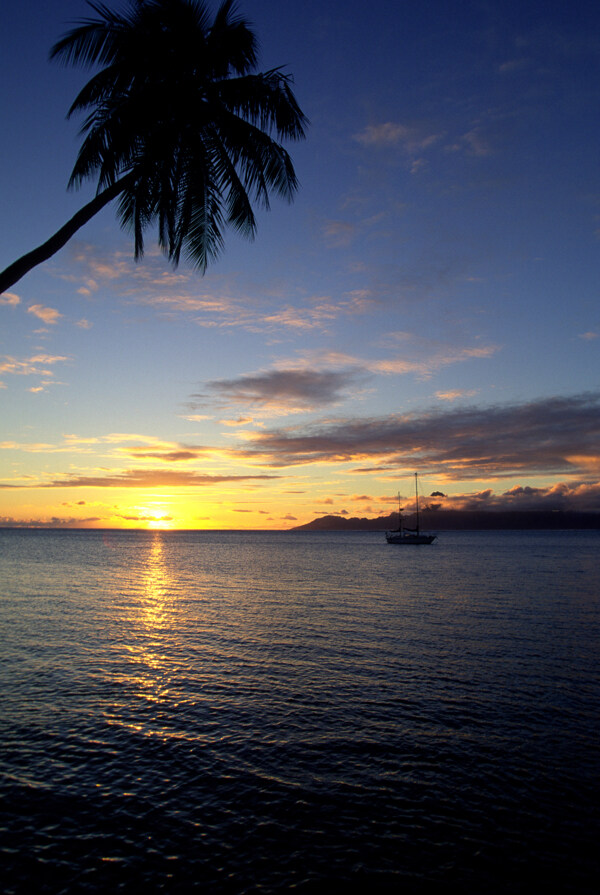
261 712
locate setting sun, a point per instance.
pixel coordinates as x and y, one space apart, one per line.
160 523
154 516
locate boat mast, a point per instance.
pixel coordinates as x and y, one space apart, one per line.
417 501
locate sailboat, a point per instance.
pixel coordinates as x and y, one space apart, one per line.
403 535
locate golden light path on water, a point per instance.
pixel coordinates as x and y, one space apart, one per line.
146 652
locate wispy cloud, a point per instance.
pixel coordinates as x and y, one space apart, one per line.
226 305
100 266
48 315
339 234
146 283
32 366
439 357
142 478
167 453
475 143
513 65
196 417
549 436
412 139
241 421
10 298
318 314
455 394
413 355
115 444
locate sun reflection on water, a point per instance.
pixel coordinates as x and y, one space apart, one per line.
155 587
148 646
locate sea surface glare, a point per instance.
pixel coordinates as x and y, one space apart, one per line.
238 712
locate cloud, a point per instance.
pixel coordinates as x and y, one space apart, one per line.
32 447
425 368
322 310
412 139
319 379
241 421
548 436
9 298
318 316
513 65
226 311
54 522
48 315
589 336
118 437
339 234
148 283
476 143
144 478
119 443
561 496
172 294
100 266
285 390
420 357
454 394
33 366
168 455
71 440
84 324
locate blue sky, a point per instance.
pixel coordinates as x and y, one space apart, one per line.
429 302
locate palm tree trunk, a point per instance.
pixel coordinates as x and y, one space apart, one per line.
23 265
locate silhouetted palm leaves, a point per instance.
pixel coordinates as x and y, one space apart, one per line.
178 125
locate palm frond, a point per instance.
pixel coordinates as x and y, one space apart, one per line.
267 101
231 42
93 41
177 110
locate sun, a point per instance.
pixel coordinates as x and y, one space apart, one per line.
154 516
162 523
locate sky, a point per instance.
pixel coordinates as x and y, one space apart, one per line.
429 302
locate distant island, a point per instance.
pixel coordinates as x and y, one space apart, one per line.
466 520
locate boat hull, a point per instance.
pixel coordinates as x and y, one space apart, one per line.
403 538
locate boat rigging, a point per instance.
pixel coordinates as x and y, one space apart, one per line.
403 535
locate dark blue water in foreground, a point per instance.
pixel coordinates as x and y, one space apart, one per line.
245 712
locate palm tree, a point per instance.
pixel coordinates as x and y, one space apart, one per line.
179 128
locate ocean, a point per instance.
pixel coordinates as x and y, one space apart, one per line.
240 712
